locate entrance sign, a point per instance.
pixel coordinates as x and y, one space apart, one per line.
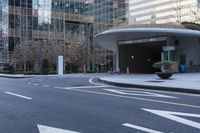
156 39
60 65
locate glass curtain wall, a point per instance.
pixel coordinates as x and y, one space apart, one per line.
4 33
49 19
68 21
109 14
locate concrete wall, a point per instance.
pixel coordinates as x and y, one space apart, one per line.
191 48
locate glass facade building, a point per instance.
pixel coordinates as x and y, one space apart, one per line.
62 20
137 44
109 14
4 17
78 21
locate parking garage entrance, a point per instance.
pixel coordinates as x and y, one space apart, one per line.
139 57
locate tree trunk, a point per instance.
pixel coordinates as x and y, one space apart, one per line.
24 65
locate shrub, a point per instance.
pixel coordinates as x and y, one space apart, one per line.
166 65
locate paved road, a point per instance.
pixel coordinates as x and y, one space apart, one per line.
74 103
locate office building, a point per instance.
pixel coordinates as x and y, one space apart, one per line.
66 21
166 30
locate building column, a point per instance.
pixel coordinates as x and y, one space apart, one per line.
168 50
117 58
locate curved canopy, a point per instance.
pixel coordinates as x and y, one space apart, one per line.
108 39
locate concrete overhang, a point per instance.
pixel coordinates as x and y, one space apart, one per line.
108 39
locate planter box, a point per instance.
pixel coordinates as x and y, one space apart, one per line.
164 75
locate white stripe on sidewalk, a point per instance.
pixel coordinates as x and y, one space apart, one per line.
21 96
83 87
141 128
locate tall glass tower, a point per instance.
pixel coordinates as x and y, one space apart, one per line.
4 53
109 14
61 20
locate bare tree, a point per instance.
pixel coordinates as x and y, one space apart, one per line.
24 53
181 10
99 56
75 54
20 54
195 13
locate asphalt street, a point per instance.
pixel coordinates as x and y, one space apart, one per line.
79 104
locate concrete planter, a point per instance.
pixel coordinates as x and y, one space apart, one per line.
164 75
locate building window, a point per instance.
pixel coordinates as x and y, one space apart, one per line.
11 2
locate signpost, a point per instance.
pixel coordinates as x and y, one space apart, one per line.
60 65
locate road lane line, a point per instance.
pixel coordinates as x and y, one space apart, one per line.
175 116
35 84
141 128
136 98
48 129
160 91
93 83
57 87
21 96
83 87
139 93
45 85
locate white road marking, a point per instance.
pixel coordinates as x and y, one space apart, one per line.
47 129
29 83
172 116
83 87
160 91
45 85
52 78
93 83
35 84
141 128
139 93
21 96
57 87
137 98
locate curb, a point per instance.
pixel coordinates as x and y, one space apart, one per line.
14 77
149 87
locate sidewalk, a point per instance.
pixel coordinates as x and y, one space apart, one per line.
189 82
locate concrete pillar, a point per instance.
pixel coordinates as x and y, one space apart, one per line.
170 41
117 59
60 65
170 46
127 70
167 50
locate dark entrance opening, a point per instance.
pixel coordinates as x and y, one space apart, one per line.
140 57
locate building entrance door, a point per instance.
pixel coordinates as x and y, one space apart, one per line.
139 58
